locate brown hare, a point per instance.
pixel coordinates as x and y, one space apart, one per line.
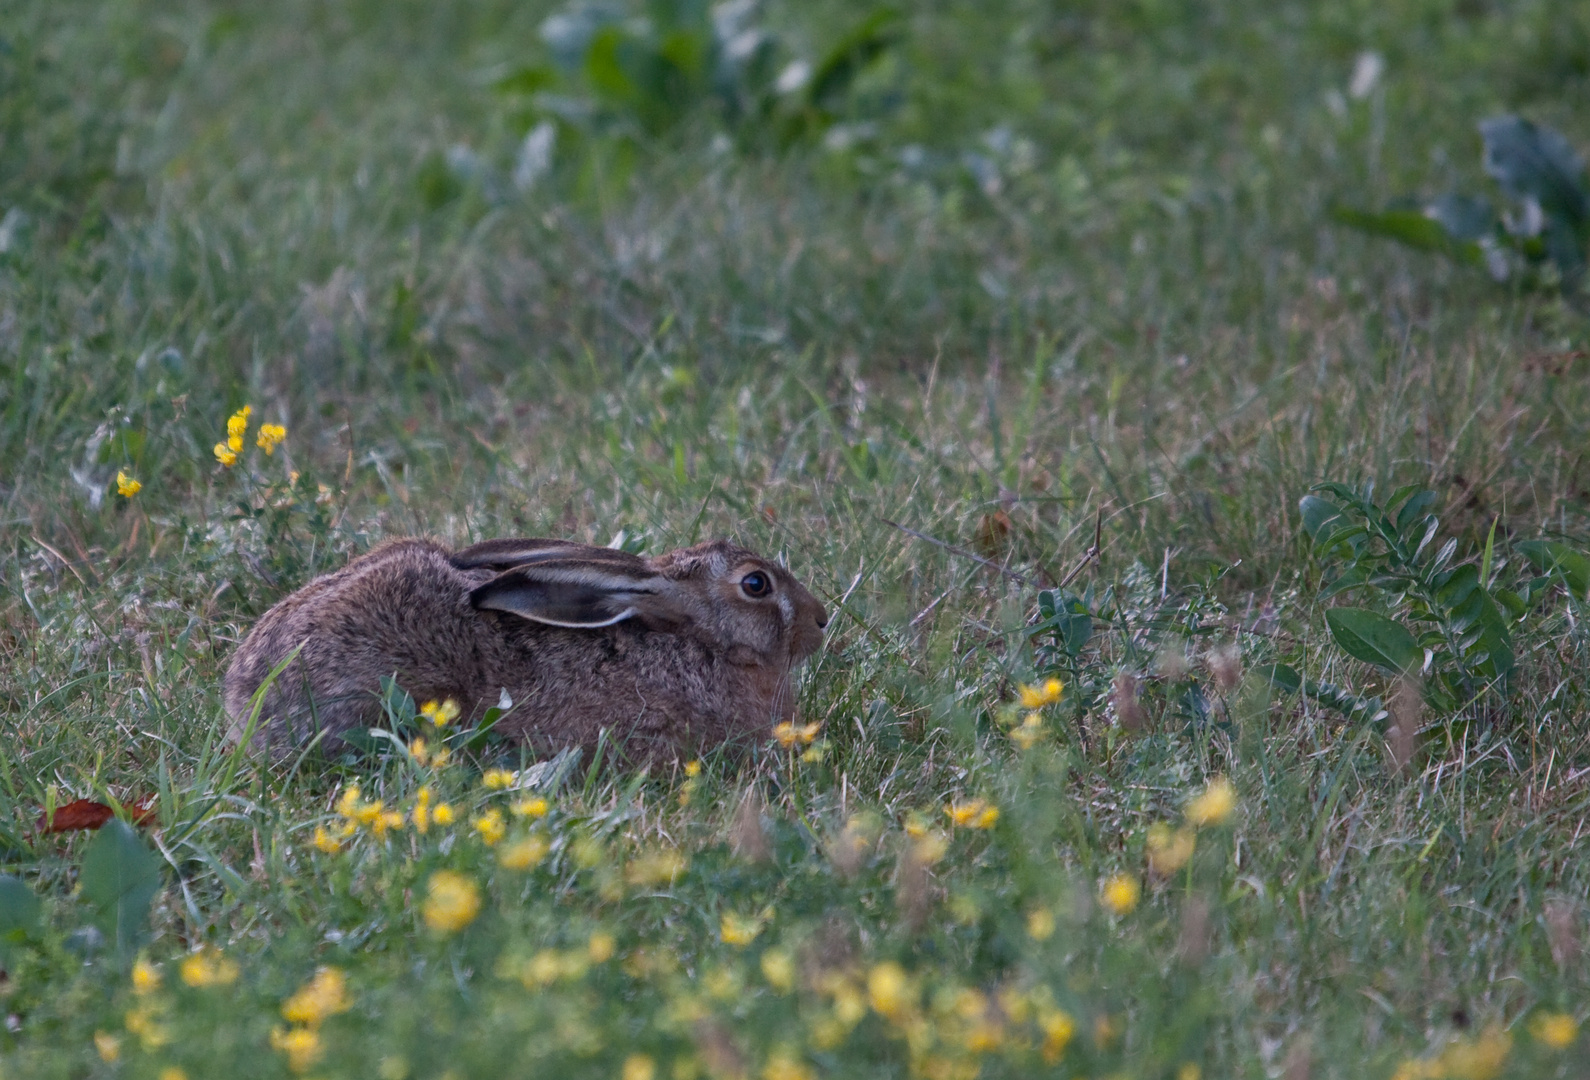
670 655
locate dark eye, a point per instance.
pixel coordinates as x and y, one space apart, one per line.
756 583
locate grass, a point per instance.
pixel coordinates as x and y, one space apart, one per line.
1056 268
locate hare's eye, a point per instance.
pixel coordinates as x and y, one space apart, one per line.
756 583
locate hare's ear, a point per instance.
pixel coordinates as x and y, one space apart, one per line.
512 551
576 593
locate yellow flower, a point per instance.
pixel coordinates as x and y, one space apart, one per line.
1557 1030
889 991
1120 893
638 1067
1214 805
1036 697
171 1072
451 903
419 750
225 455
1031 730
443 815
348 801
525 853
1189 1071
145 977
1058 1028
693 768
1480 1058
785 734
778 968
1168 849
653 869
324 841
973 814
300 1044
529 808
236 426
490 826
126 486
421 814
497 779
739 930
784 1065
143 1022
601 947
1040 924
207 967
270 437
326 994
440 714
929 848
108 1046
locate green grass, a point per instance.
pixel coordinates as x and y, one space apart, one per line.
1149 320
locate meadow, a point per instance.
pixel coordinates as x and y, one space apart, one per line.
1023 333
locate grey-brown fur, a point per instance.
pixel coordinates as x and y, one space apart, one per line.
689 659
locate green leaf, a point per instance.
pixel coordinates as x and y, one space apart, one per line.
20 911
527 80
1415 227
1317 514
1533 162
1559 560
120 877
1375 639
1280 676
868 41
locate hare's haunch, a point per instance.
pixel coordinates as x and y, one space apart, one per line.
673 654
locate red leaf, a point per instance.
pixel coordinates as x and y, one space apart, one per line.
86 814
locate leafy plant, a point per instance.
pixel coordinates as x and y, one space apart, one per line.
120 877
1451 622
618 75
1545 217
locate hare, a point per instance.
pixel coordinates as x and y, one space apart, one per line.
671 655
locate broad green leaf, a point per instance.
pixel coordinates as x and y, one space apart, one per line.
1415 227
120 877
1560 560
832 79
1533 162
20 910
1279 676
1375 639
1317 514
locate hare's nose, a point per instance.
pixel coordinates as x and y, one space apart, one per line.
822 618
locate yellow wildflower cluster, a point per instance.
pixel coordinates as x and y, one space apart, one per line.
531 808
1120 893
949 1030
1214 805
1032 700
1169 849
126 486
525 853
207 968
441 713
655 868
740 930
972 814
374 815
451 902
1557 1030
687 790
547 966
497 779
491 826
1483 1057
427 757
325 995
793 736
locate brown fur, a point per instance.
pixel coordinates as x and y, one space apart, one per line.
692 662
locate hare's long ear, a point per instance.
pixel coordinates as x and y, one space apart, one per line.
578 593
512 551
